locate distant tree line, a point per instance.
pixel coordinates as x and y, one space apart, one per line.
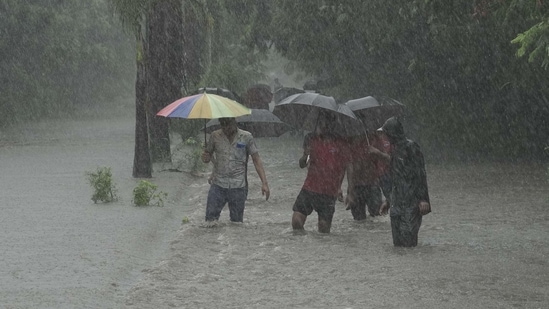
454 63
56 56
472 72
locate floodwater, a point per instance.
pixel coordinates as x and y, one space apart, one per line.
485 245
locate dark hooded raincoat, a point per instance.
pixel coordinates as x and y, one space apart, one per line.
409 185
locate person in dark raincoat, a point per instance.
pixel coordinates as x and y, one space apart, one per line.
409 200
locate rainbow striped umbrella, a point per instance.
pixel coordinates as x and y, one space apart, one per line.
204 106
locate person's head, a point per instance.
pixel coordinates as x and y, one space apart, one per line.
393 129
326 122
228 125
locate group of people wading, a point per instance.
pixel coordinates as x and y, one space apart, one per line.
379 164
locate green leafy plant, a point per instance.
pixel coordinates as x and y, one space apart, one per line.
146 194
103 185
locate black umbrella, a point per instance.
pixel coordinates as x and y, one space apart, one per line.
284 92
373 112
258 96
261 123
221 92
302 111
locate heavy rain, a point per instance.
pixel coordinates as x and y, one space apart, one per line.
107 201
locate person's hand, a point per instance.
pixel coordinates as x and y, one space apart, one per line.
424 208
348 201
265 191
384 208
373 150
206 157
340 196
303 161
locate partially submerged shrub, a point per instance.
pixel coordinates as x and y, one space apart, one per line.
103 185
146 194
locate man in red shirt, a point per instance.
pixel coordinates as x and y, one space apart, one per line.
365 174
327 156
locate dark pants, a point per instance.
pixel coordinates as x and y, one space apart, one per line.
405 228
218 197
366 196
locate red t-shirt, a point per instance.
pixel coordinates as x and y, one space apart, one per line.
385 146
327 162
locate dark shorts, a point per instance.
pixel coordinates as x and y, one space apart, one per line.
218 197
308 201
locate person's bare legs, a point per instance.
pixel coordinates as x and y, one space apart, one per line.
298 220
324 226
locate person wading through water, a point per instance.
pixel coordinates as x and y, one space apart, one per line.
409 200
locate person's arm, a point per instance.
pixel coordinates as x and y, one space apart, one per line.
303 161
422 191
379 154
261 172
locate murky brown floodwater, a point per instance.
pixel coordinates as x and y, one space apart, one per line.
485 245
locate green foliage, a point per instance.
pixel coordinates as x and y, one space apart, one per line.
58 56
186 128
146 194
103 185
535 43
193 156
236 43
452 64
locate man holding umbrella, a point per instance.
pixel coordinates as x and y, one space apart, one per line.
229 184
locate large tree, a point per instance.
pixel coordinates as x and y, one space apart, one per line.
164 67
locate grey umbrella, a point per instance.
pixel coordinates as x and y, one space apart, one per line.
261 123
373 112
302 111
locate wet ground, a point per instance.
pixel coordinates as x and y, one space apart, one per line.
485 245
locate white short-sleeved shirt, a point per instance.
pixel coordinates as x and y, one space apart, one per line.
230 159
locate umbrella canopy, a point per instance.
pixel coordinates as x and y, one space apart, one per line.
219 91
284 92
373 112
258 96
302 111
204 106
261 123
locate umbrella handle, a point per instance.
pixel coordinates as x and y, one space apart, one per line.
205 141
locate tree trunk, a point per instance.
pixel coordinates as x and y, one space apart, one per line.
194 47
142 166
164 71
